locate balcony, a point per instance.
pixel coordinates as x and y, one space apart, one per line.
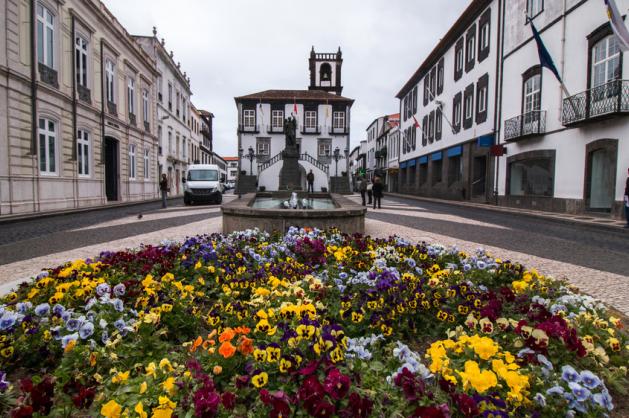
132 119
529 124
253 129
341 130
610 99
112 108
309 130
84 93
48 75
276 129
147 127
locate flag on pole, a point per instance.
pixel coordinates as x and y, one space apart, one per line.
415 122
261 110
295 106
618 25
545 59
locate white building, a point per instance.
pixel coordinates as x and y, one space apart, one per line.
392 155
222 166
173 111
452 97
323 118
76 109
207 146
232 169
564 153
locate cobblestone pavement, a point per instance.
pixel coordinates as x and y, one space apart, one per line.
594 260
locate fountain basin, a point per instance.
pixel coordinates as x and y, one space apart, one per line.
264 211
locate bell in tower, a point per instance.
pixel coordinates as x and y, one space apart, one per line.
325 71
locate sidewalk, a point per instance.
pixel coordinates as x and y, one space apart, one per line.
580 219
6 219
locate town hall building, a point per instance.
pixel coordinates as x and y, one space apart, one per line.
322 116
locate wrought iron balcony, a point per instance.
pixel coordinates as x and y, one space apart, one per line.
529 124
602 101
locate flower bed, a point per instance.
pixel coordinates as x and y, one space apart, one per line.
305 324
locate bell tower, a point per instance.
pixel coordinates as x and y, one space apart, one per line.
325 71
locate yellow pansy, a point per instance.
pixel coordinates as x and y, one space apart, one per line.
111 409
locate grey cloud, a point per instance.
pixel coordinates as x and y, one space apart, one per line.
236 47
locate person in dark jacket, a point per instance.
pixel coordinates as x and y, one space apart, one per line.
626 200
163 188
362 188
310 180
377 189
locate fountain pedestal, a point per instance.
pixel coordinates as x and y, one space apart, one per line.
290 174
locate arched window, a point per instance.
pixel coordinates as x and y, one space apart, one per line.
325 72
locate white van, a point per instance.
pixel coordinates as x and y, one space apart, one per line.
203 183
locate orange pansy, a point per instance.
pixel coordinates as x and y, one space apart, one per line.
227 335
227 349
246 345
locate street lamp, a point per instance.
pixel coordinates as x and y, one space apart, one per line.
239 185
337 157
250 156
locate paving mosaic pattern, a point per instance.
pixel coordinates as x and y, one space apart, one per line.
595 260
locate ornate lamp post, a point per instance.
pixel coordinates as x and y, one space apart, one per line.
240 151
250 156
337 157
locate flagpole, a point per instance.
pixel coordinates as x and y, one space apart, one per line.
440 105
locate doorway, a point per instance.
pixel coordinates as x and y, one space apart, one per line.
479 178
111 169
600 178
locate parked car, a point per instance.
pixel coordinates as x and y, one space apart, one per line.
203 183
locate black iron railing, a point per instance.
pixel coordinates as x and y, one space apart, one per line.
528 124
307 157
268 163
607 99
303 157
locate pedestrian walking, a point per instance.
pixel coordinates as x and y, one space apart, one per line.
369 192
163 188
627 200
362 188
310 179
378 188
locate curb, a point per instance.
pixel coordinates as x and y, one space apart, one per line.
614 225
8 219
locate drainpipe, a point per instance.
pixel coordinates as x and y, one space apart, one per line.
102 104
33 150
73 157
563 56
102 125
499 86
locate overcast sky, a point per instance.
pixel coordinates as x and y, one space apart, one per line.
237 47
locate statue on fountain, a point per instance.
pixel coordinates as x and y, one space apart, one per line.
290 130
290 174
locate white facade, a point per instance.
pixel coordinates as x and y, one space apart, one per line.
322 116
232 168
173 112
318 143
393 158
554 160
452 98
